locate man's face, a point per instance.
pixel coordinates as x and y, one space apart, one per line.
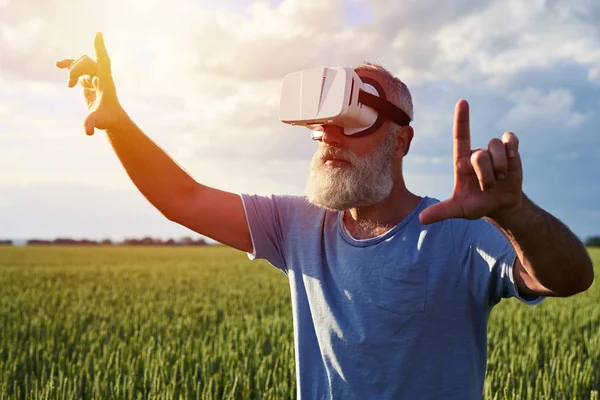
349 172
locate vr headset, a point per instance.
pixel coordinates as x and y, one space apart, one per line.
336 96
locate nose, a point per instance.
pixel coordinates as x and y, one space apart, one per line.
333 135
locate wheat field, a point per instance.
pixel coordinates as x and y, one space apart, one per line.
206 323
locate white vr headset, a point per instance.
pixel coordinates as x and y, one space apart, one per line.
336 96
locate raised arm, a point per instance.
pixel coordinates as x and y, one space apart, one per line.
216 214
551 260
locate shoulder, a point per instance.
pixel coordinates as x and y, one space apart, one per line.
284 206
294 202
274 199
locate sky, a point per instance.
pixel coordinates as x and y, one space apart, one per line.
202 79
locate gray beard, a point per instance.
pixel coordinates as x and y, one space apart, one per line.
362 182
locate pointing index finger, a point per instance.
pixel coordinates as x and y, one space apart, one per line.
462 133
100 49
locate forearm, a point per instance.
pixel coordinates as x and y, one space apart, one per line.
152 171
548 250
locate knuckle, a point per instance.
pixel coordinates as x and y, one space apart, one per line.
495 143
480 156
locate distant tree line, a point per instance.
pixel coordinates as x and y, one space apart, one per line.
593 241
146 241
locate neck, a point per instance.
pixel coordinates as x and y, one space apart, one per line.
374 220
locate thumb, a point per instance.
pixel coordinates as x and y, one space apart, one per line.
90 123
440 211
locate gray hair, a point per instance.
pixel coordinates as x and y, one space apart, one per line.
397 91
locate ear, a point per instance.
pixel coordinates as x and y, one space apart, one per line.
404 137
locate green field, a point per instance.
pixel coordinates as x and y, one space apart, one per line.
206 323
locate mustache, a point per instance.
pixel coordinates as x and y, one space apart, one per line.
337 153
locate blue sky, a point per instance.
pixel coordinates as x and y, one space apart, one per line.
203 80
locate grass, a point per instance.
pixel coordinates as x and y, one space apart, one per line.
206 323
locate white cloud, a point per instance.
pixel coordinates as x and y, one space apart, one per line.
5 109
594 75
544 111
22 35
179 42
487 43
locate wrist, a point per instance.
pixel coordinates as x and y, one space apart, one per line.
511 216
120 121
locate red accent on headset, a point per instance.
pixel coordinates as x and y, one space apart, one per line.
384 108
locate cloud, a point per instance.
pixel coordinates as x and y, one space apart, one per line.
180 41
594 75
484 43
545 113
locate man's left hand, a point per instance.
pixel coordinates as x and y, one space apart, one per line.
487 182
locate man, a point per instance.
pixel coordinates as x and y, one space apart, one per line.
391 292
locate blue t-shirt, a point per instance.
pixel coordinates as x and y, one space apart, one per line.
400 316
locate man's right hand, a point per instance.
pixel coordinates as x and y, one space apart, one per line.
213 213
98 87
